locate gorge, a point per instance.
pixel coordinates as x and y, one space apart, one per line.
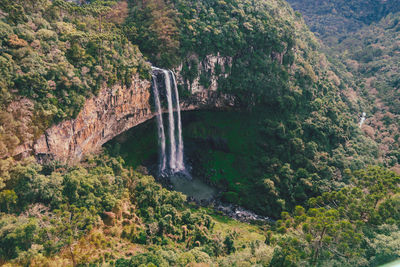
199 133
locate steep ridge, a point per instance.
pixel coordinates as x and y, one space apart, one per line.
70 83
332 20
361 40
54 56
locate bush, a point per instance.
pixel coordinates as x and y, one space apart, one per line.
16 235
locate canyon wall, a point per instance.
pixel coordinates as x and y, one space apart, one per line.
113 111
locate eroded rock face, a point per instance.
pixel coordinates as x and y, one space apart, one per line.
208 99
212 67
113 111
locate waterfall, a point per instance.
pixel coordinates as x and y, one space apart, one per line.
179 156
175 157
171 122
362 120
160 124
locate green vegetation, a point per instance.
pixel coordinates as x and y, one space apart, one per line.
58 213
270 53
100 212
301 134
334 19
245 156
292 150
53 56
365 55
343 227
373 55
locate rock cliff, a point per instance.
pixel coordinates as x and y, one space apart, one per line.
210 68
104 116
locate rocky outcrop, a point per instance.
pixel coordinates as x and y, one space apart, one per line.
103 117
113 111
234 211
211 68
208 99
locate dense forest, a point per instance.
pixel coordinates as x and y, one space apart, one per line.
292 148
364 53
371 55
55 55
300 129
332 20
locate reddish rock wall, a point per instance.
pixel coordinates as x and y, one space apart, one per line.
113 111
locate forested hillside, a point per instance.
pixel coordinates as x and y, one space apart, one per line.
372 54
365 54
291 148
333 20
54 55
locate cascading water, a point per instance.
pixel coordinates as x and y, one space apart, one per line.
180 164
362 120
171 121
175 157
160 124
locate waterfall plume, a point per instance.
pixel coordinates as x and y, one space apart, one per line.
171 122
160 128
174 163
179 156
